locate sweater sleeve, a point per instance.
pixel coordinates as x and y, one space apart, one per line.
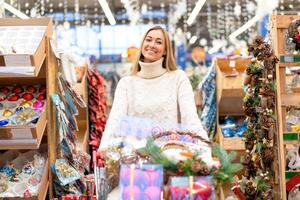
118 110
187 106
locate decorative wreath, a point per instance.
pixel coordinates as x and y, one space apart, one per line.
290 36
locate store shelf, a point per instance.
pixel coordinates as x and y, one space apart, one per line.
231 143
27 64
23 137
43 189
83 136
290 99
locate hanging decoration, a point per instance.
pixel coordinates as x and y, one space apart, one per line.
293 37
259 107
97 109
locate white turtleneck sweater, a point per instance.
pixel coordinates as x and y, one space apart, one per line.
153 93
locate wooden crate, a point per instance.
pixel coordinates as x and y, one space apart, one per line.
23 137
19 61
230 143
280 23
43 189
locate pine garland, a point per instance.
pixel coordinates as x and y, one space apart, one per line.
193 166
259 107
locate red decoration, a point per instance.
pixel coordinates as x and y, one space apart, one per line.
237 191
13 97
27 96
42 89
295 180
27 194
5 90
41 96
18 90
31 89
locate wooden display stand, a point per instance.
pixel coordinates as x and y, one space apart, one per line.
229 82
82 118
45 65
280 24
230 96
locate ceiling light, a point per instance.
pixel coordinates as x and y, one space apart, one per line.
107 12
195 12
193 39
243 28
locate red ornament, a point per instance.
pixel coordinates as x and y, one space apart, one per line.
27 96
41 96
27 194
13 97
18 90
42 89
5 90
31 89
180 171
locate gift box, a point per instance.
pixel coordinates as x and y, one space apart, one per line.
141 181
191 188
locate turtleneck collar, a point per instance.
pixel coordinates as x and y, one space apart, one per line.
151 70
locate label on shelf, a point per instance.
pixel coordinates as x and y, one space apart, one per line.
17 60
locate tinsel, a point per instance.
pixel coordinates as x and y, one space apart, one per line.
259 107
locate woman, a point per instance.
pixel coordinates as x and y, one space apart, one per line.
156 89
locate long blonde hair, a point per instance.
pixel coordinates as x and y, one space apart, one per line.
169 61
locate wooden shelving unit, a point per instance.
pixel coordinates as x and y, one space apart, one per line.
83 114
229 103
280 24
230 96
45 70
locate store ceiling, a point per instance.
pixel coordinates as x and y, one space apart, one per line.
116 4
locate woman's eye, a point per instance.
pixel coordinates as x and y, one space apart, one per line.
159 42
148 40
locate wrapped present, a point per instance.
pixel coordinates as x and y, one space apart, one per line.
191 188
141 181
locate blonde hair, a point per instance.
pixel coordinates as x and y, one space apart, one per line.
169 61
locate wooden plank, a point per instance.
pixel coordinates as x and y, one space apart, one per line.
283 21
231 143
51 79
292 64
290 99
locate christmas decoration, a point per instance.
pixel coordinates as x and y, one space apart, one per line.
259 107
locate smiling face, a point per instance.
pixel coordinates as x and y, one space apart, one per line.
154 46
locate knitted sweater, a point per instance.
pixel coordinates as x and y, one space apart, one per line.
156 98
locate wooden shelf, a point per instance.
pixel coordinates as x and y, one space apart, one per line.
36 131
83 136
231 143
43 189
290 99
280 24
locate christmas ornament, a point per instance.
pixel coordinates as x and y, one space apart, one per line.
27 96
31 89
17 90
13 98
